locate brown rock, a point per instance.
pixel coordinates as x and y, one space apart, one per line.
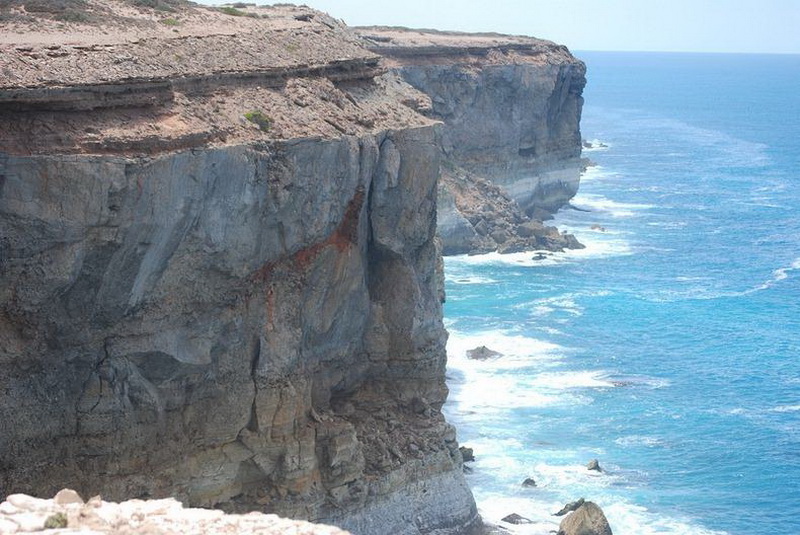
588 519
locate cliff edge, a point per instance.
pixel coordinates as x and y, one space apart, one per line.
217 267
511 108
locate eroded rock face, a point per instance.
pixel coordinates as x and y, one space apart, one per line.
511 109
251 326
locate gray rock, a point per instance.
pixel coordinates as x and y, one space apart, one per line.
529 482
588 519
483 353
516 519
594 464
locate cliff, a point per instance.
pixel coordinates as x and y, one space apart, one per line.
219 278
511 110
217 268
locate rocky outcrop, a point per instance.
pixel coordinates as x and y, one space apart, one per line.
511 110
227 293
68 513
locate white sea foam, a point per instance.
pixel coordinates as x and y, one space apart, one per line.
516 349
539 504
625 517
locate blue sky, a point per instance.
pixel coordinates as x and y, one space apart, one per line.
665 25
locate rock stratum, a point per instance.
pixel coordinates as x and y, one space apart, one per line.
219 278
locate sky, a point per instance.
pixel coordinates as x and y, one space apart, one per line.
756 26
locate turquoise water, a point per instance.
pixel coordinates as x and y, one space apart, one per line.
669 349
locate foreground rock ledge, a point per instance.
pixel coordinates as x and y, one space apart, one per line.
67 512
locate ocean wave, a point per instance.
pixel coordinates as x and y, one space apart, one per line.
703 293
625 517
597 246
640 440
778 275
472 279
485 395
559 484
595 145
786 408
571 379
728 150
598 203
547 305
516 349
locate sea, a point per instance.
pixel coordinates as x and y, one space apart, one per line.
669 348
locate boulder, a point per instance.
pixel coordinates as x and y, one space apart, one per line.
483 353
594 464
500 236
529 482
467 454
588 519
531 229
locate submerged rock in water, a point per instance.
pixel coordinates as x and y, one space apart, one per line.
483 353
529 482
514 518
588 519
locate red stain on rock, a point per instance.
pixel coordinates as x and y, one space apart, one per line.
345 235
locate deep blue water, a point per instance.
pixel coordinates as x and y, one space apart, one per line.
669 349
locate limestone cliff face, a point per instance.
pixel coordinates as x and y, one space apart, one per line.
511 109
225 290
